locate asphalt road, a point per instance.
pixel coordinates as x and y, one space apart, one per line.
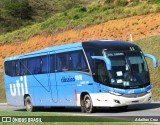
146 110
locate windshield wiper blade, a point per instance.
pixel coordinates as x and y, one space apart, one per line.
133 87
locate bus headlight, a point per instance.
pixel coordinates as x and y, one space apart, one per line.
149 91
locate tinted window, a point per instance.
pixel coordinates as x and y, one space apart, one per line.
101 74
38 65
23 64
78 61
92 52
71 61
17 65
9 68
12 68
44 64
52 63
62 62
34 66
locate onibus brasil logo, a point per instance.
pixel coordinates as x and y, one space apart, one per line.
20 87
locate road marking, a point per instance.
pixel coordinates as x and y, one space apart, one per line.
3 104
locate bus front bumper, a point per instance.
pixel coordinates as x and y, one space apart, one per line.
110 100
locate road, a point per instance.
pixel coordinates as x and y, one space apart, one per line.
146 110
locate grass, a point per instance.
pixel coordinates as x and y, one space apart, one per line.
76 18
58 118
2 90
152 45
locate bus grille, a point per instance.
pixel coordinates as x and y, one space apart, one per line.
134 95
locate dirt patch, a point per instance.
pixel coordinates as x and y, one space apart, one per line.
139 26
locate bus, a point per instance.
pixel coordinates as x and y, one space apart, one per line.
90 74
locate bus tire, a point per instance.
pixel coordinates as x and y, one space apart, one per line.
82 106
87 104
28 104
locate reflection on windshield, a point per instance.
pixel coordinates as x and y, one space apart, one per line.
129 70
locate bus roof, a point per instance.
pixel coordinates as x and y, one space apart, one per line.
112 45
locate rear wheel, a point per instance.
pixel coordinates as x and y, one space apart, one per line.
87 105
28 104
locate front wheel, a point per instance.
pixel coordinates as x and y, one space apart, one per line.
28 104
87 105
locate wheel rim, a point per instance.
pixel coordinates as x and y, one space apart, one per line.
28 105
87 104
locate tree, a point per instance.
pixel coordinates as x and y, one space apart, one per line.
18 9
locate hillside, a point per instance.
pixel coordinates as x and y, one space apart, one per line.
139 26
78 18
16 14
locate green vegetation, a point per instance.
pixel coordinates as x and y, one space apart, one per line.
16 14
2 89
152 45
78 17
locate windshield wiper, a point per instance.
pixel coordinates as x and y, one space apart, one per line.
133 87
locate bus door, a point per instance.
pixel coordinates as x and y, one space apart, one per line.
69 68
52 78
65 80
101 76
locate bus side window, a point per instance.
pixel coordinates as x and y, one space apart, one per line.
83 63
9 68
52 63
71 61
23 64
74 61
62 62
17 68
78 62
44 64
34 66
91 51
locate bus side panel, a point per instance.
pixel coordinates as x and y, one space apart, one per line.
16 88
42 89
70 85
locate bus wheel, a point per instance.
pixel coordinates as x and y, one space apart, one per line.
87 104
28 104
82 106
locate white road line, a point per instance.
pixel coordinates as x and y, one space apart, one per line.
3 104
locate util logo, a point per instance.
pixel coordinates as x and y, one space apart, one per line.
20 87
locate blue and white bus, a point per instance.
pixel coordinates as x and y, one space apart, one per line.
100 73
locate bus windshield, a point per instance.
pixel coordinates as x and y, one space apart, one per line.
129 70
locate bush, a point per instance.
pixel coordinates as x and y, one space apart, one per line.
75 17
109 1
83 9
157 9
135 1
18 8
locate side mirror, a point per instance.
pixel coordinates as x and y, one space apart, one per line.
154 59
105 59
